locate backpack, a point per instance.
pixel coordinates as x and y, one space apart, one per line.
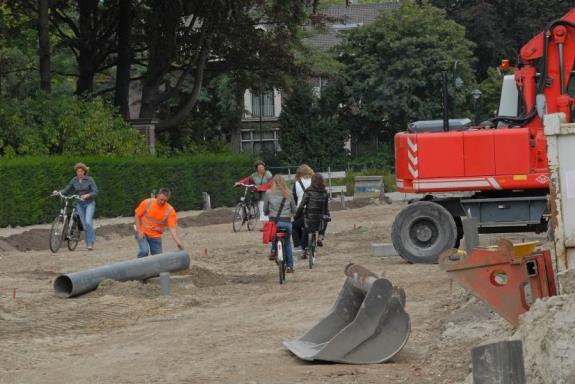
294 190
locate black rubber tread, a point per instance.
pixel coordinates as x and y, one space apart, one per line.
253 216
281 263
56 240
74 235
430 215
238 220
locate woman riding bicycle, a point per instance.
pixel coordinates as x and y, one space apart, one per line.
314 207
84 186
278 196
262 179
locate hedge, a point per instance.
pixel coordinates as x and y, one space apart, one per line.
26 183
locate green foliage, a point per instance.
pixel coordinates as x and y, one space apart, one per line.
18 45
319 63
393 67
122 182
500 28
61 124
209 127
310 130
490 93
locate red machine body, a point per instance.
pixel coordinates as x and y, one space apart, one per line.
493 159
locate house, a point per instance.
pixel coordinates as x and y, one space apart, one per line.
259 131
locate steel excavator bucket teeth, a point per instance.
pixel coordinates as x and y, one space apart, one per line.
365 326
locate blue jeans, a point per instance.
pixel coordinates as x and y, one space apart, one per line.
86 211
287 243
149 245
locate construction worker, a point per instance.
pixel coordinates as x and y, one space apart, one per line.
152 216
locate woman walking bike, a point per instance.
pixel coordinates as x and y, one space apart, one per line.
66 226
279 205
85 187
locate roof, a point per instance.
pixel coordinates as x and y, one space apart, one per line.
342 18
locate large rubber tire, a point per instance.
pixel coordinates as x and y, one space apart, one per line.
422 230
57 233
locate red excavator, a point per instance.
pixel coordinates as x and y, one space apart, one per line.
495 172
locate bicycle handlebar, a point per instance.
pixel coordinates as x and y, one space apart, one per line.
247 185
70 197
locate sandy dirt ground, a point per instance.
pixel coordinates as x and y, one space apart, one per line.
227 316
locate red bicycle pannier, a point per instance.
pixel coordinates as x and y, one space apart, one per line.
269 231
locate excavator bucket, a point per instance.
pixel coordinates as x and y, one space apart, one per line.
368 323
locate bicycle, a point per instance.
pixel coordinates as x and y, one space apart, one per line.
246 211
309 252
281 259
66 226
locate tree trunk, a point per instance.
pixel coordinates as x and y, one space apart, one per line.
44 45
87 10
122 96
161 28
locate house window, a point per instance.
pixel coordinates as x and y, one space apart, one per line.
257 141
265 104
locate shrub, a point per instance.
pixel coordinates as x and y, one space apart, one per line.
26 183
63 124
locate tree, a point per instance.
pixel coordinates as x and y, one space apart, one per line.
44 46
124 64
188 40
311 132
393 68
500 28
59 124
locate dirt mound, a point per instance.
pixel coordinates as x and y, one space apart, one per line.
151 291
32 240
126 288
115 230
213 216
38 239
335 204
548 334
202 277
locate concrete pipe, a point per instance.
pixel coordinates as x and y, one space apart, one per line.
78 283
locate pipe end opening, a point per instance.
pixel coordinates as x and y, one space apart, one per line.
63 286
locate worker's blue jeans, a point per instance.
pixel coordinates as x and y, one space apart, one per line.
149 246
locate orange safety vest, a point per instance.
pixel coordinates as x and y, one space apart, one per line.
153 224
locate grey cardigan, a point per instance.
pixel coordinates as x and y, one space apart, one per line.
87 186
272 202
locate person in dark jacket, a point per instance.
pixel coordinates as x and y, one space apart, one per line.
314 207
301 183
84 186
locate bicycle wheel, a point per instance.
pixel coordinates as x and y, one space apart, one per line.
253 214
74 234
311 256
239 214
280 260
57 233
